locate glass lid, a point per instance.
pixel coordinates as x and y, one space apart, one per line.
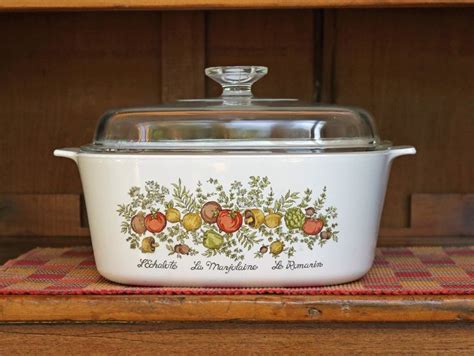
236 121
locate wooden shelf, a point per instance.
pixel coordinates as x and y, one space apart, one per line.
262 308
24 5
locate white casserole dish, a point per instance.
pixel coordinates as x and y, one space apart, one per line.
235 191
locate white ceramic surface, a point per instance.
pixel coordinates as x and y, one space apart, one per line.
355 182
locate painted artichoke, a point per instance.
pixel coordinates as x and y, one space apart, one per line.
294 218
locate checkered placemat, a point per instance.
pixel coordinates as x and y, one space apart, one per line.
406 270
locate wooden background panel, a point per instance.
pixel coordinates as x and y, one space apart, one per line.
281 40
59 73
182 55
42 215
443 213
413 69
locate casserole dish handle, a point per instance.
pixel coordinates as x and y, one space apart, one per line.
397 151
70 153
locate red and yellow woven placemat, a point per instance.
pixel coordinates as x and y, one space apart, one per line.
406 270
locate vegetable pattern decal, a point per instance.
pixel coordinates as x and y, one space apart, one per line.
211 220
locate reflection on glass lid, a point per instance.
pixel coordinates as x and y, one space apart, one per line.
236 121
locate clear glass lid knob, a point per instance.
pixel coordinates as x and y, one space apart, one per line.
236 80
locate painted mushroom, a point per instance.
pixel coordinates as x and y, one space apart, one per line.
254 217
148 245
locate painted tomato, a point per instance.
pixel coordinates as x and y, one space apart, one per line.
229 221
155 222
313 226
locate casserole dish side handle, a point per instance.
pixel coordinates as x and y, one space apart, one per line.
70 153
397 151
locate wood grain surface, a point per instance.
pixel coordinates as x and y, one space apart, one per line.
61 215
62 72
283 41
22 5
182 55
320 308
237 339
413 70
444 213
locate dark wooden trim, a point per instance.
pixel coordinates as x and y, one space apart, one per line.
84 5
